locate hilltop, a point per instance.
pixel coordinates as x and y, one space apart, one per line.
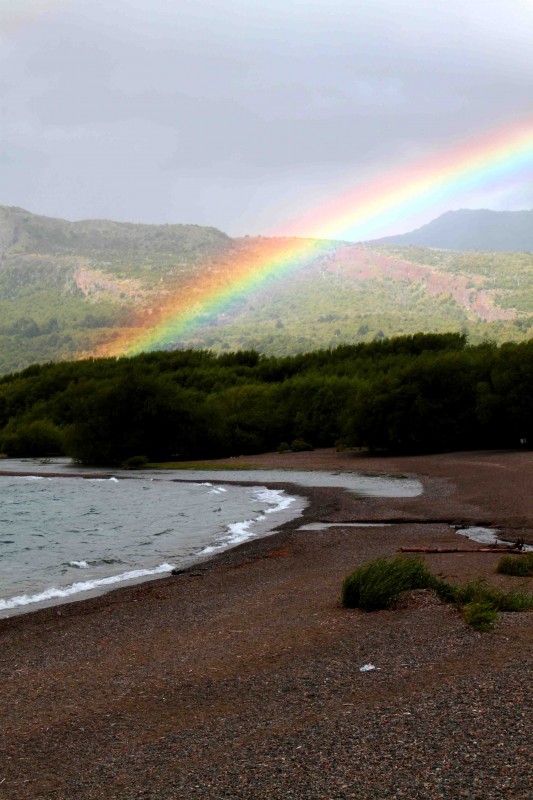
501 231
68 288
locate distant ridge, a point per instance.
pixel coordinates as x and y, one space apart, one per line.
483 230
21 231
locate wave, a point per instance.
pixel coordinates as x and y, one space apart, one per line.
277 497
239 532
54 593
89 528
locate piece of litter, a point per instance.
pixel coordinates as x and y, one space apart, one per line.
366 668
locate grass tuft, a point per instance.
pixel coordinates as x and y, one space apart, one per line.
477 591
516 565
480 615
376 584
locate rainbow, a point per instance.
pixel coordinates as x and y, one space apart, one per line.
479 163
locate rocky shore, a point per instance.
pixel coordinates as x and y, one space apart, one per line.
241 678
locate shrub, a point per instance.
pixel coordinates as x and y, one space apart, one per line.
299 446
515 601
37 438
480 615
283 447
478 592
376 584
516 565
135 462
446 591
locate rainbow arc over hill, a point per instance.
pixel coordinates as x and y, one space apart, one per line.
480 162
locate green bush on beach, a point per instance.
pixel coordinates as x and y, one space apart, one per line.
478 592
300 446
521 566
482 616
135 462
376 584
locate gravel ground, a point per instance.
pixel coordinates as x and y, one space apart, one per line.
243 679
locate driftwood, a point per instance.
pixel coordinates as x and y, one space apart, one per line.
501 550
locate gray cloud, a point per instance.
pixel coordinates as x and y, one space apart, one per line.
224 113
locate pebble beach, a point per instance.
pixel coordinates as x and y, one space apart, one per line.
243 677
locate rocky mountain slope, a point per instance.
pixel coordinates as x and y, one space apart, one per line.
74 288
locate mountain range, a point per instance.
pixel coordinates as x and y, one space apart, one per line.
70 289
500 231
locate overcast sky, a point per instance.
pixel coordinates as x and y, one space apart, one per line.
246 114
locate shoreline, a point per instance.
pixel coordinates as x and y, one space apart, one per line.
240 677
323 504
299 491
58 606
195 562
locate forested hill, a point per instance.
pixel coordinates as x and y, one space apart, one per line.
417 393
67 288
23 232
501 231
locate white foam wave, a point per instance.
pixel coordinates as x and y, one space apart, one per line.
104 480
78 564
276 497
203 484
239 532
54 593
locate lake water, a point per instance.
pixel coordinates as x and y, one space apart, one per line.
64 538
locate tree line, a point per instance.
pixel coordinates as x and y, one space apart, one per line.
410 394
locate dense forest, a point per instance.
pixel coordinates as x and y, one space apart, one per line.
419 393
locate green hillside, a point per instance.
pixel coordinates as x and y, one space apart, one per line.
66 288
359 294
